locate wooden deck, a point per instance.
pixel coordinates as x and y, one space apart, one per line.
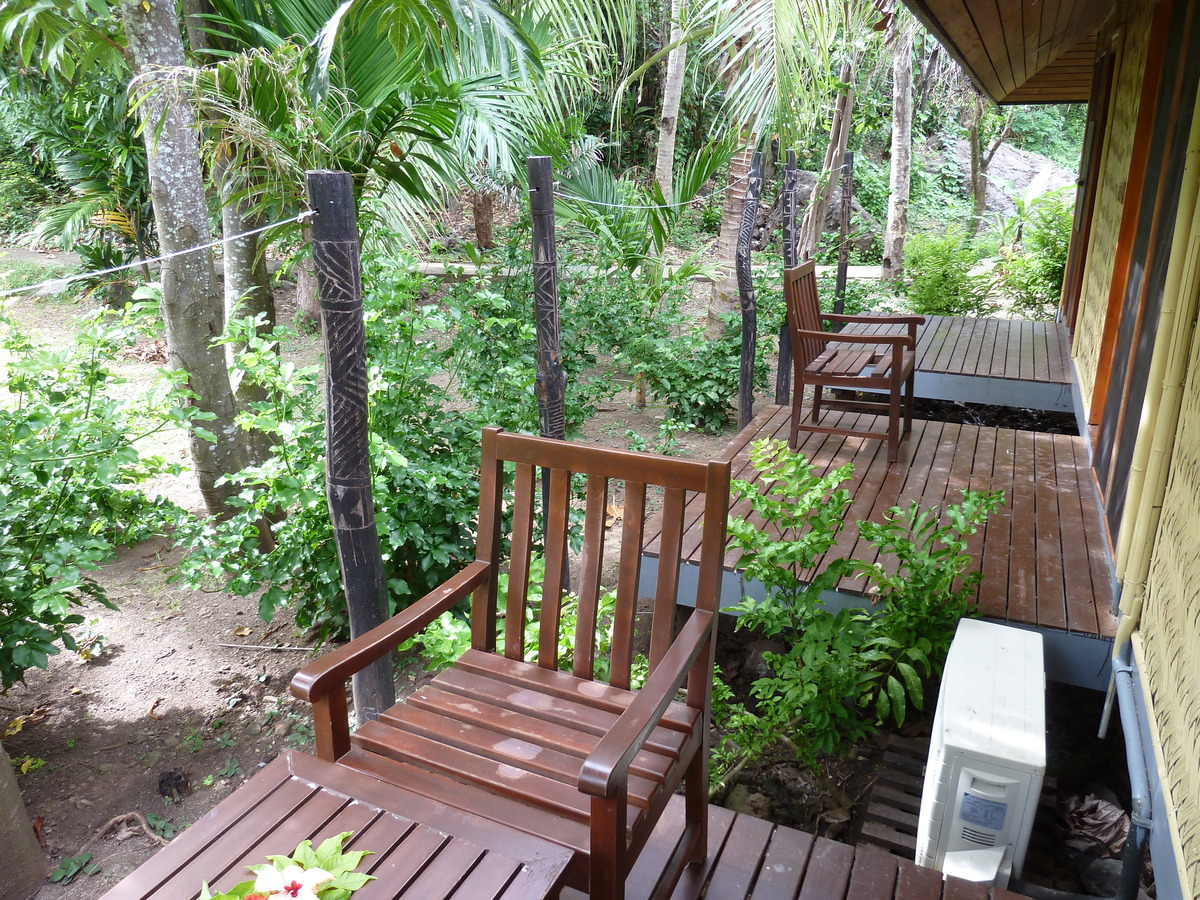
1043 555
1011 361
751 859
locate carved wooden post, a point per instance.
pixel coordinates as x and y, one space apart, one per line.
839 290
745 283
551 379
24 867
348 461
791 237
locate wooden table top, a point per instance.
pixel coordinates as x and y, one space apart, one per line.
422 849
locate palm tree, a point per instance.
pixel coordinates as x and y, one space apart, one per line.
777 59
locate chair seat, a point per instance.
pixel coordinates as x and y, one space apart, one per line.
859 363
506 740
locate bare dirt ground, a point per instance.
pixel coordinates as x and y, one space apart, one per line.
178 709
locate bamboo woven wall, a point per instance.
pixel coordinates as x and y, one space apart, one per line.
1170 628
1106 224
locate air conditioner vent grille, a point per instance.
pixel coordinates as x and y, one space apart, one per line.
979 837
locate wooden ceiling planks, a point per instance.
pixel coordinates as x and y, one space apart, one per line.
1020 51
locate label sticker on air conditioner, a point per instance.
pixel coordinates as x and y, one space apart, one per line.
983 813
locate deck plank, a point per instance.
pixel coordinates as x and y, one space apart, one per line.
1043 555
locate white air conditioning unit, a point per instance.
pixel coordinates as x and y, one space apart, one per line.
987 755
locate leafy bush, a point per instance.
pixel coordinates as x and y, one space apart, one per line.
1032 272
840 675
23 191
68 498
424 464
697 377
937 275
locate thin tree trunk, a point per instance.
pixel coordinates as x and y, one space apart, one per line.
308 309
664 167
901 171
839 135
483 210
724 296
978 181
24 865
192 304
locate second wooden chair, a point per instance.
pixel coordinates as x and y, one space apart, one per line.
878 363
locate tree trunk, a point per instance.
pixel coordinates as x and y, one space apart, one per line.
901 172
308 308
483 209
664 167
24 866
839 135
975 142
724 296
247 293
191 303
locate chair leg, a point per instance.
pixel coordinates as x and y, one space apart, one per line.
816 404
908 400
894 424
696 805
606 877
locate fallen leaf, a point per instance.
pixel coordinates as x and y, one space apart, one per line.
242 631
839 814
15 726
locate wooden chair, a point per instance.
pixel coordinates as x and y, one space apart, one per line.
508 735
854 362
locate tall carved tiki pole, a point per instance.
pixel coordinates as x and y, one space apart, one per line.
348 462
843 267
745 284
551 378
791 259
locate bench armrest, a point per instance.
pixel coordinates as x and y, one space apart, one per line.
315 681
837 337
606 768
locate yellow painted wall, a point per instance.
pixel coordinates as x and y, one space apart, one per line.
1132 34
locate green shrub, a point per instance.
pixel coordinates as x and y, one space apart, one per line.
840 675
424 463
69 469
23 192
1032 272
937 275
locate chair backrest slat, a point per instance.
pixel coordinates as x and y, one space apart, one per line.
628 576
670 544
524 489
639 472
804 310
553 584
590 564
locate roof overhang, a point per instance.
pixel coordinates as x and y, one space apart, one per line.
1020 51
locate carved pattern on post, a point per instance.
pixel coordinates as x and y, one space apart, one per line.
745 283
791 253
348 458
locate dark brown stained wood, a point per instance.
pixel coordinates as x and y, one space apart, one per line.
298 797
512 737
853 362
744 850
784 866
918 883
874 874
1044 554
989 348
828 873
1049 538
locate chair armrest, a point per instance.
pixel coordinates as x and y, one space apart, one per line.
319 678
837 337
875 320
607 767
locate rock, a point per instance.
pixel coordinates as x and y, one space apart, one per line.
1014 173
741 800
1101 877
755 664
